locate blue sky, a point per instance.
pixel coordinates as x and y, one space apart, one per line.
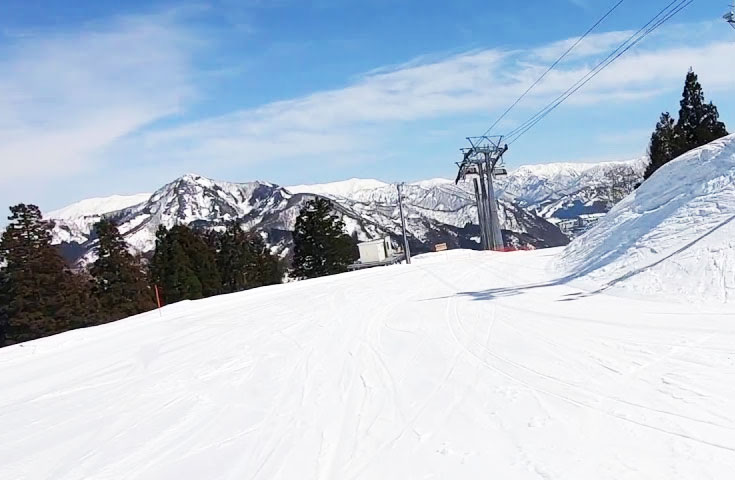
99 98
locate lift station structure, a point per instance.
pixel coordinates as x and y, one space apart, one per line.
730 16
481 163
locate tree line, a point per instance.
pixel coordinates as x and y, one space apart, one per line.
41 295
698 124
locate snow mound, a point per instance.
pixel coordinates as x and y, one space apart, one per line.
673 237
97 206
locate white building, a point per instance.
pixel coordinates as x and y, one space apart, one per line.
375 250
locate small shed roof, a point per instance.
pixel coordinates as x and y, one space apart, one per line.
372 242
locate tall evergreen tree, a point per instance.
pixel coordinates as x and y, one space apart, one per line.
4 301
244 260
263 268
158 266
698 125
321 247
41 295
661 149
698 121
184 265
201 258
231 258
120 284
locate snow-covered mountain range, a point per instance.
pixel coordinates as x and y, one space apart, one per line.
562 192
532 200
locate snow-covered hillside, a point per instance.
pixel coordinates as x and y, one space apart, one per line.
464 365
675 235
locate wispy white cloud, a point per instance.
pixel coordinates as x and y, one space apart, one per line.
591 45
354 119
65 96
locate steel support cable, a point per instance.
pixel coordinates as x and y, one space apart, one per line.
617 53
598 66
535 122
553 65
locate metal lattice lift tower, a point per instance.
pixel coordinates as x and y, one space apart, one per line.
482 162
406 249
730 16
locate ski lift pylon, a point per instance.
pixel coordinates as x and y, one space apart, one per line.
730 16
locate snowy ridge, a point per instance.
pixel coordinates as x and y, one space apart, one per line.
555 191
98 206
568 190
74 223
439 202
187 200
433 182
346 188
674 236
437 212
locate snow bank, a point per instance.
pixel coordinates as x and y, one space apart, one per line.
674 236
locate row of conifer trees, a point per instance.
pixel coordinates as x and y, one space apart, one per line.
41 295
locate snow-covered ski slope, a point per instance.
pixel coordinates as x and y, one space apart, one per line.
463 365
674 236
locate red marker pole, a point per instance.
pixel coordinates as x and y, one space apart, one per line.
158 298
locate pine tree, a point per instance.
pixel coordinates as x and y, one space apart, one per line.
184 265
662 147
4 301
158 266
231 258
120 284
321 247
263 268
698 121
698 125
244 261
41 295
201 258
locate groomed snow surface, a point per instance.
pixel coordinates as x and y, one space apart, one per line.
463 365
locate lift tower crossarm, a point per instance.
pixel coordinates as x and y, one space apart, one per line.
482 161
730 16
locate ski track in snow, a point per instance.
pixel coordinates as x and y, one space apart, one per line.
462 365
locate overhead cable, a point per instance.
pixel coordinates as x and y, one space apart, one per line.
659 19
553 65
